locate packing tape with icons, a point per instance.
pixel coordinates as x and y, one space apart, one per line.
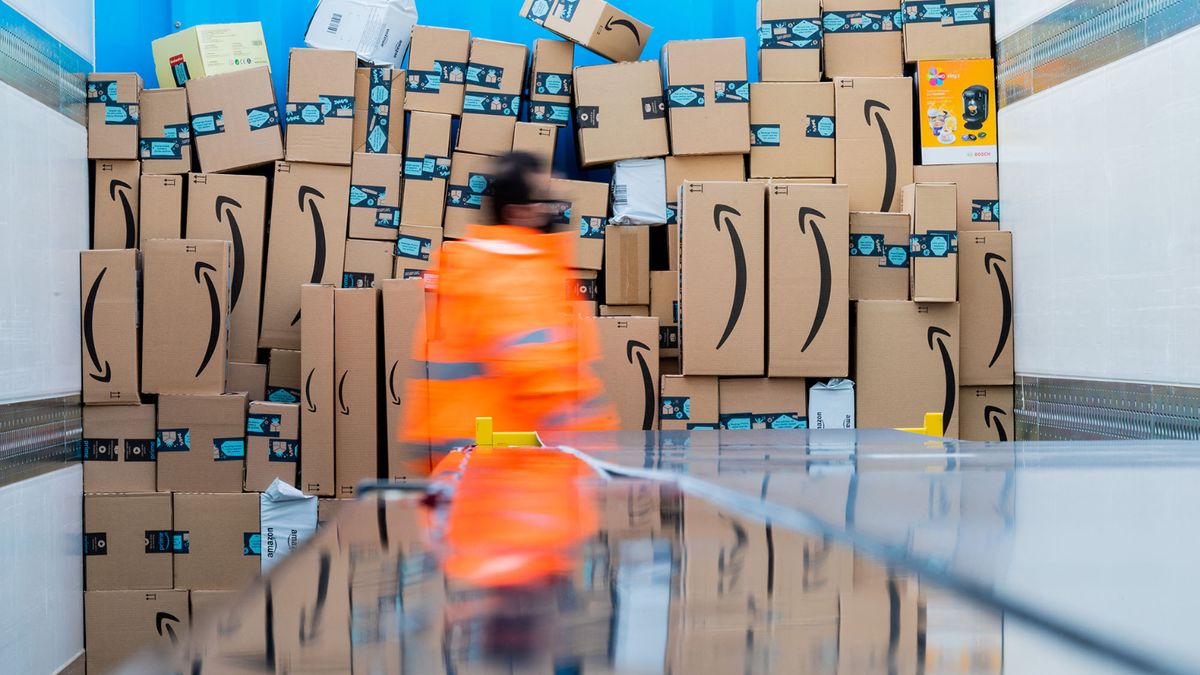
484 75
672 213
229 449
699 426
283 395
874 246
173 440
121 114
654 108
140 450
358 279
261 117
685 96
428 167
790 34
587 116
263 424
367 196
285 450
100 449
387 216
103 91
160 148
251 544
553 84
948 14
780 420
731 91
414 248
316 112
584 290
560 212
547 112
862 21
821 126
463 197
668 337
765 135
592 227
484 103
423 82
379 101
167 541
675 408
206 124
985 210
933 244
452 72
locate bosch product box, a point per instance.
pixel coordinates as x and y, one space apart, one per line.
957 111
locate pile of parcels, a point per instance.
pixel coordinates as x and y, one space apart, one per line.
248 305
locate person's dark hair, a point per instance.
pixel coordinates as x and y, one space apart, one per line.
513 182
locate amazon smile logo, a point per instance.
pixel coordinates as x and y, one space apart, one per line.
992 263
392 395
341 394
613 21
722 212
647 380
310 206
126 208
935 335
826 271
889 149
164 624
214 302
992 417
312 407
239 247
102 374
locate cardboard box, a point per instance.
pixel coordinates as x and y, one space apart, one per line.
551 82
247 378
316 411
831 405
308 243
792 130
226 138
119 624
707 96
958 111
209 606
934 241
127 541
376 190
593 24
620 112
978 192
879 257
985 286
403 311
789 40
664 304
863 38
874 145
115 204
118 448
627 265
987 414
234 208
584 292
808 281
378 30
537 139
625 310
379 110
161 211
294 595
907 364
165 135
699 169
629 368
108 291
367 263
582 208
185 330
492 99
426 169
941 31
213 49
415 250
722 317
356 363
320 106
761 403
468 200
283 376
201 443
272 444
878 628
112 108
222 534
688 403
437 70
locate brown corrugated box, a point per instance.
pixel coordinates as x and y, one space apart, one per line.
108 290
879 257
708 96
161 212
222 532
987 414
699 169
978 192
934 264
165 136
762 403
235 120
119 624
943 31
317 405
367 263
320 106
722 317
586 200
467 196
985 286
403 310
247 378
867 42
629 368
379 110
551 82
593 24
907 364
201 443
112 110
356 366
664 304
789 47
209 606
415 250
426 169
185 324
376 190
283 376
627 265
620 112
537 139
874 146
309 211
127 541
492 99
295 598
118 448
808 285
437 70
792 128
115 204
272 444
234 208
688 403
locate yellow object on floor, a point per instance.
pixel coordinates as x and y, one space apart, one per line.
485 437
933 426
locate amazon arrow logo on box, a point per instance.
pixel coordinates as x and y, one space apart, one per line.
108 321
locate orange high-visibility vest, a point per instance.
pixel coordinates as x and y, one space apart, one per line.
501 340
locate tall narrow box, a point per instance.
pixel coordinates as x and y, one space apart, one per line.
664 304
118 448
115 204
272 444
933 244
708 96
437 70
792 130
127 541
620 112
320 106
468 196
492 99
379 110
376 190
161 214
356 366
108 291
426 169
403 314
874 147
581 207
235 120
985 286
201 443
551 82
112 115
283 376
629 368
627 265
317 404
863 38
790 36
165 140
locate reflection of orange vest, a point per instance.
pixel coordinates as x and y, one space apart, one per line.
502 341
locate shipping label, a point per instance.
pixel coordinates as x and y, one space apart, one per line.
553 84
263 424
790 34
284 450
95 543
229 449
173 440
732 91
821 126
668 337
100 450
261 117
765 135
121 114
206 124
871 21
654 108
140 450
367 196
685 96
985 210
588 117
167 541
503 105
483 75
933 244
414 248
676 408
583 290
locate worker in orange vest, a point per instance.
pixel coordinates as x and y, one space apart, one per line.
501 339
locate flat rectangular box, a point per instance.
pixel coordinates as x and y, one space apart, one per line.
808 282
165 135
792 129
356 364
593 24
185 331
234 208
115 204
112 114
761 403
583 209
468 200
127 541
118 448
985 287
551 82
699 169
629 368
627 265
320 106
689 403
987 414
934 241
664 304
222 534
722 313
415 250
935 30
379 110
789 40
863 38
108 291
537 139
283 376
161 215
272 444
426 169
879 257
978 192
367 263
247 378
201 443
308 243
437 70
212 49
959 103
235 120
376 191
874 147
620 112
316 411
119 624
708 96
403 312
492 99
907 364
